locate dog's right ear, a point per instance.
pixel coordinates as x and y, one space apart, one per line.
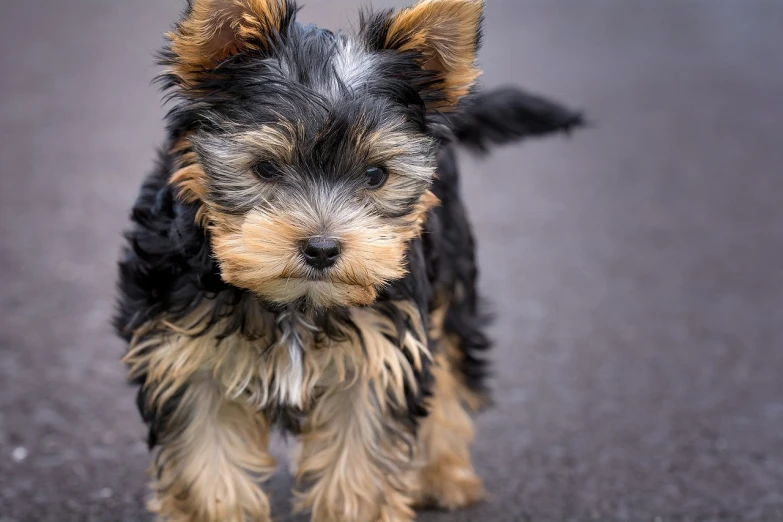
442 35
212 30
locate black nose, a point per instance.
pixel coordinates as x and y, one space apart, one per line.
320 251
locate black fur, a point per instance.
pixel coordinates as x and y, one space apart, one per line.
509 114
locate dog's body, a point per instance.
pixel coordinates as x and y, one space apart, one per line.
301 258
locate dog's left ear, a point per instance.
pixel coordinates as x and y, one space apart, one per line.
445 37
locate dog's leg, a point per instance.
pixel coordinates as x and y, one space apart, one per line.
356 468
358 443
212 454
446 477
198 396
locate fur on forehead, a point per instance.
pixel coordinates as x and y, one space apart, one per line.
429 49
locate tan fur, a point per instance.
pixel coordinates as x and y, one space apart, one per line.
445 32
473 400
355 466
276 143
171 354
215 29
446 478
354 456
215 444
392 148
213 453
448 347
189 178
260 251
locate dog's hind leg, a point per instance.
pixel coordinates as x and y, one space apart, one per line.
446 475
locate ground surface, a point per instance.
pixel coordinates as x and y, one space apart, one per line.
637 269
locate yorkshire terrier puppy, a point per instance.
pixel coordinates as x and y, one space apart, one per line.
301 259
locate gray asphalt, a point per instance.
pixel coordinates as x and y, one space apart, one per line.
636 269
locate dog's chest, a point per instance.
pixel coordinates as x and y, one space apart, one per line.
294 340
289 371
304 362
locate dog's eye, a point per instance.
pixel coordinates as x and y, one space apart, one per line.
266 170
375 177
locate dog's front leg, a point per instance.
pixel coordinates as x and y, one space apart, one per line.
355 460
212 454
358 441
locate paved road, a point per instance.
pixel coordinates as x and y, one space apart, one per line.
637 269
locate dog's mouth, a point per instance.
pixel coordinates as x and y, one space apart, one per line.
324 275
329 276
322 290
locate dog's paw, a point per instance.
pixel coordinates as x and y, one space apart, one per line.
449 487
392 514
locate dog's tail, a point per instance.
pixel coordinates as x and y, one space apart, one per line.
509 114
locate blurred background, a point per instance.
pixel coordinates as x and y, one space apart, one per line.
636 269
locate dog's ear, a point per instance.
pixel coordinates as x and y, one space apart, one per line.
212 30
444 35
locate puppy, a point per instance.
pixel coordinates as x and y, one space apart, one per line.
301 259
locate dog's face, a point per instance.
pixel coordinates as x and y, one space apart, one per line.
309 152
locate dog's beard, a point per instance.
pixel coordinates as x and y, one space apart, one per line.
259 251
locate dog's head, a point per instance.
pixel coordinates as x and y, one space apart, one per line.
308 151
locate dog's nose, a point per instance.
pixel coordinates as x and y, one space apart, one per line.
320 251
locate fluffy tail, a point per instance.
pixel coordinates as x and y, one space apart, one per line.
509 114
